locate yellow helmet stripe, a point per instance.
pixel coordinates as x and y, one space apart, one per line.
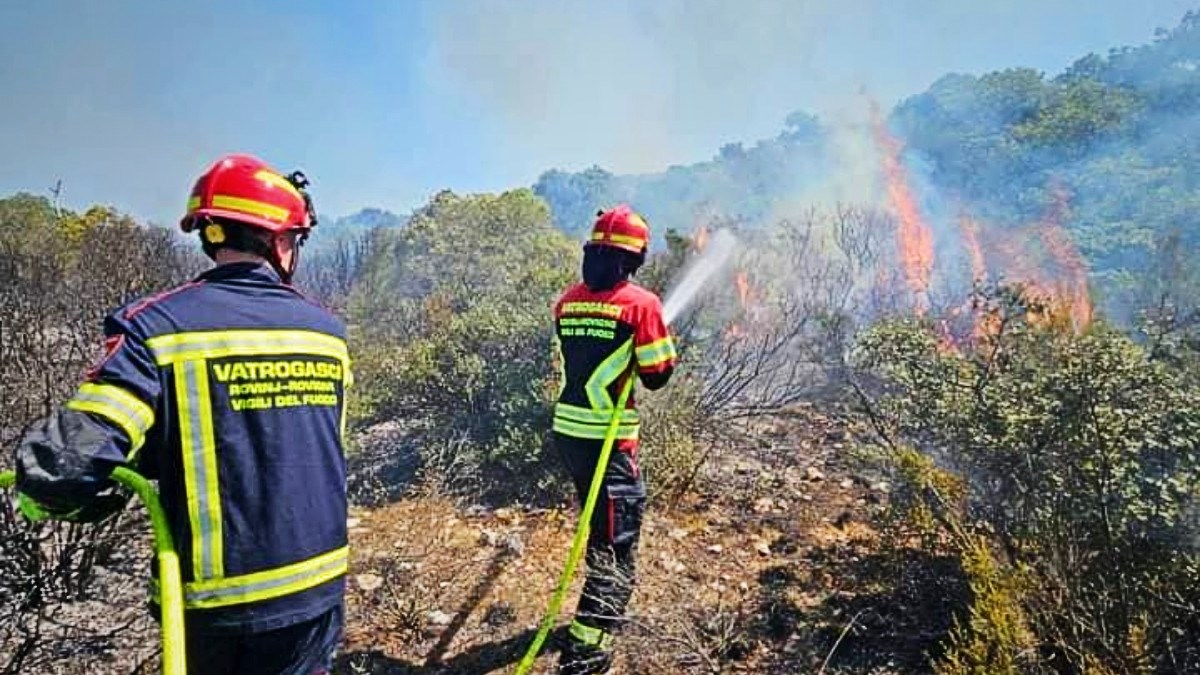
619 239
250 206
278 181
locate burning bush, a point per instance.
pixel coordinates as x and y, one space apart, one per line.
1081 457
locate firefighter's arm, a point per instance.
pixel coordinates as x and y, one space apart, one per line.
64 461
654 347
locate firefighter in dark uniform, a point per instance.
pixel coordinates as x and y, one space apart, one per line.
230 391
608 328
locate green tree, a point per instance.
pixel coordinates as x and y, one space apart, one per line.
452 330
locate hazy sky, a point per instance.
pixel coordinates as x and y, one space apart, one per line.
384 103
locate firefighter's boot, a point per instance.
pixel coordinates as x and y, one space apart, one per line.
588 651
577 659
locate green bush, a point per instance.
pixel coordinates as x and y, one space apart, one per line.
452 332
1081 457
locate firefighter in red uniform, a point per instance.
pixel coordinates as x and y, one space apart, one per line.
230 390
608 328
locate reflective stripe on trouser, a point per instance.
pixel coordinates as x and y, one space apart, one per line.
592 637
266 584
615 530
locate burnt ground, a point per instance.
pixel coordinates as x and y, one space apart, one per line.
772 565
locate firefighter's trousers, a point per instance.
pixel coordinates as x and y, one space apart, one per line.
306 648
615 527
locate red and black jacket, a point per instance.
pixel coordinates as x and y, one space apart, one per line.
603 336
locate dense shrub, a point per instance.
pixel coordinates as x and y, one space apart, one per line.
452 332
1081 457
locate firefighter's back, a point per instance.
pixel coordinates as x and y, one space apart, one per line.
250 458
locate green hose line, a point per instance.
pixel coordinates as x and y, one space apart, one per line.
174 653
581 532
170 584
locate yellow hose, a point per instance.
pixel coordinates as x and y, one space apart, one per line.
581 532
171 594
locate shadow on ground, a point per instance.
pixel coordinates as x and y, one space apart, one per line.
889 611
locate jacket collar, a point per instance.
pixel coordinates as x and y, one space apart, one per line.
242 271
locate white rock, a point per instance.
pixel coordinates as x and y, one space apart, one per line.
514 544
439 618
489 537
368 582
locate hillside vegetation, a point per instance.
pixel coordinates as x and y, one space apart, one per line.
882 453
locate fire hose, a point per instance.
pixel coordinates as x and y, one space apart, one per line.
581 532
171 586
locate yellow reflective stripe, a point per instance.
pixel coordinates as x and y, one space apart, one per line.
199 468
347 382
250 206
220 344
591 416
278 181
266 584
593 637
193 204
618 238
605 374
593 431
118 406
186 435
562 366
208 455
656 352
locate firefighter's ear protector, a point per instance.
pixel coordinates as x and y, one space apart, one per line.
301 183
214 233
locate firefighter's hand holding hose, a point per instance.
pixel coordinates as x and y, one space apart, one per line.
173 646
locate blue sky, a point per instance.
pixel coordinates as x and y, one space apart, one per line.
384 103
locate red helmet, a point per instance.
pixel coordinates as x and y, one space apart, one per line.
244 189
621 228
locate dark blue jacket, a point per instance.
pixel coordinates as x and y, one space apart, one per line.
230 390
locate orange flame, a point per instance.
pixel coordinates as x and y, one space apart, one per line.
1054 277
946 343
914 236
742 283
1074 288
